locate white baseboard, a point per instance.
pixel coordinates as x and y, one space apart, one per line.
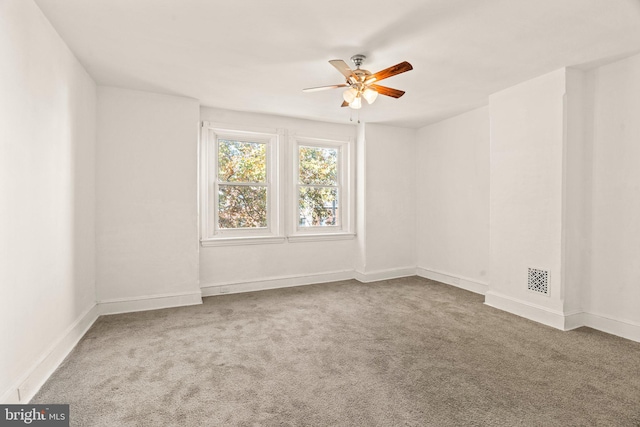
525 309
392 273
574 320
564 321
149 302
622 328
450 279
30 383
273 283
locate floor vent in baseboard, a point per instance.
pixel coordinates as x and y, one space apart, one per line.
538 281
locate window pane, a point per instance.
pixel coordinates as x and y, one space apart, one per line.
242 206
242 161
318 207
318 166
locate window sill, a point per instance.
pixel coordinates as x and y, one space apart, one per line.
300 238
233 241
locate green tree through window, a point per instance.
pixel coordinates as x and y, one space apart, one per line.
318 186
242 186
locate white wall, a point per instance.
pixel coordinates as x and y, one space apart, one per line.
526 191
361 199
453 198
576 208
389 201
227 265
47 141
564 196
615 259
146 186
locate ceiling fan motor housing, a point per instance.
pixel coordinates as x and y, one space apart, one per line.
358 60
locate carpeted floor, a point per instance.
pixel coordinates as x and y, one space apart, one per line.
404 352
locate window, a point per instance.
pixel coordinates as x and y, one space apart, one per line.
240 198
244 200
322 193
318 189
242 184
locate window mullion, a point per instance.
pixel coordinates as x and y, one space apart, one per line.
318 186
245 184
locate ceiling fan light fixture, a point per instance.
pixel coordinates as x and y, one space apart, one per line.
349 95
370 95
360 82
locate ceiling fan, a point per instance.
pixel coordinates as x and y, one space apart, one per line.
362 83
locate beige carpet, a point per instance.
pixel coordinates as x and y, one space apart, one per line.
405 352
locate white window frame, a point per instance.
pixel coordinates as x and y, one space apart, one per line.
346 190
211 234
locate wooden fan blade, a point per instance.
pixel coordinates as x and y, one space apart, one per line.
383 90
392 71
345 104
316 89
342 67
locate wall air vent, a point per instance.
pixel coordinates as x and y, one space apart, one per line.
538 281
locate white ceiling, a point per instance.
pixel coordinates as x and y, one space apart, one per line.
257 55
